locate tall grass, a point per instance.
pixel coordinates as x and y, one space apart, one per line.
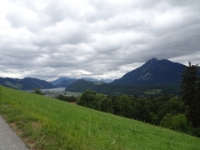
46 123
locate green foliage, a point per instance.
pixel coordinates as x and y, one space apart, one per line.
51 124
0 90
175 122
176 105
67 98
113 89
124 106
88 99
153 92
38 91
106 105
166 111
190 94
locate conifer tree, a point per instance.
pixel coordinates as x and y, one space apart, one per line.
190 94
198 100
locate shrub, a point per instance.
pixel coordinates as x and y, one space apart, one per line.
37 91
175 122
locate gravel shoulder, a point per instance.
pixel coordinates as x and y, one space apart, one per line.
9 139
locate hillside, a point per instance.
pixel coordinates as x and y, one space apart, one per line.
114 89
46 123
63 81
26 83
154 72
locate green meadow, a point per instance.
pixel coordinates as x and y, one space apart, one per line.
46 123
153 92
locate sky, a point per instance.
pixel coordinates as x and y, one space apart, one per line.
101 39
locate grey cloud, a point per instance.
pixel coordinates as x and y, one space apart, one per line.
96 38
37 19
15 19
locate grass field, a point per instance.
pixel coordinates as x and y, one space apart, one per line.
153 92
45 123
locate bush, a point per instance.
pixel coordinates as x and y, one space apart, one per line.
194 131
37 91
175 122
106 105
88 99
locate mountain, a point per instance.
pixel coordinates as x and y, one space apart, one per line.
90 79
106 80
154 72
114 89
96 80
63 81
26 83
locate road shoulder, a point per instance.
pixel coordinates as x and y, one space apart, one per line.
9 139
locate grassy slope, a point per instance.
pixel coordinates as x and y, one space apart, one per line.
45 123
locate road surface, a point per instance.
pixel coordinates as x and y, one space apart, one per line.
9 139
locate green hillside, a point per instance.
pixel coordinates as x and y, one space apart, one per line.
46 123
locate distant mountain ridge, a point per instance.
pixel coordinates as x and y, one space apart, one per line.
26 83
96 80
66 81
63 81
153 72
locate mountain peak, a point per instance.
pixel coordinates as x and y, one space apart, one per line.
153 72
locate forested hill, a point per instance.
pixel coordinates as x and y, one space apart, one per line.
26 83
154 72
113 89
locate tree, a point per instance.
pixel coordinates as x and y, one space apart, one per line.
198 102
88 99
37 91
124 105
175 122
106 105
190 94
0 89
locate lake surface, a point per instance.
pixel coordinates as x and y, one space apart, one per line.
53 90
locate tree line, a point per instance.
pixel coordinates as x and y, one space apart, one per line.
177 113
180 113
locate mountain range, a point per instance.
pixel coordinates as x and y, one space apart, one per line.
153 73
26 83
65 81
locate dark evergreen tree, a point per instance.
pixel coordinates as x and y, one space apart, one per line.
190 94
198 100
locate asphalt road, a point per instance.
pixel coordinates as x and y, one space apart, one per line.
9 139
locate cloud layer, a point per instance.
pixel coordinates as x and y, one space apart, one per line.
95 38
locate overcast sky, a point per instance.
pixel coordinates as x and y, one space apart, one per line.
94 38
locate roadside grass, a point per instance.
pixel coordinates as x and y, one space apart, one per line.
46 123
